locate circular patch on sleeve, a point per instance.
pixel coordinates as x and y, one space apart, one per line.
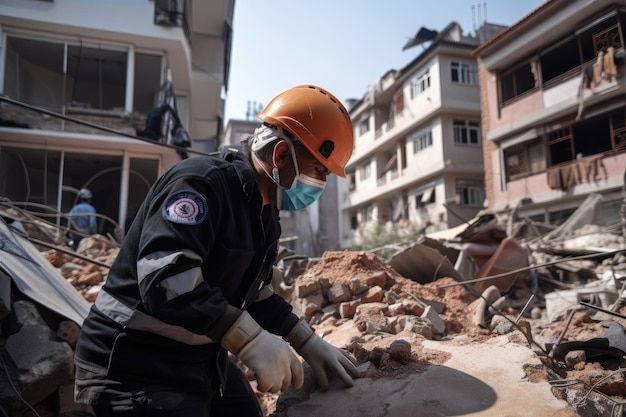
185 207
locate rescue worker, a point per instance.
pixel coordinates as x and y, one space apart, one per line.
192 279
82 217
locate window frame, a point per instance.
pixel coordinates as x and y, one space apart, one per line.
466 132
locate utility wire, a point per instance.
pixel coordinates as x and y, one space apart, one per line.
99 127
528 268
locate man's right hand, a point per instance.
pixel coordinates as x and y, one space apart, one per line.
272 360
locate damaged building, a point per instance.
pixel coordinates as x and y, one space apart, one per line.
107 96
553 109
518 311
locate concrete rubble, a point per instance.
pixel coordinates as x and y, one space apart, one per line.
502 317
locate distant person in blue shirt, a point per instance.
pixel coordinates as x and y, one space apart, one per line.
80 219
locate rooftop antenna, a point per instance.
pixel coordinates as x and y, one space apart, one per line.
478 18
474 18
248 112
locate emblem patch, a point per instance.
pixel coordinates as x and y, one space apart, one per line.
185 207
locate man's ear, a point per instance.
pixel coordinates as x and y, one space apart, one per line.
282 154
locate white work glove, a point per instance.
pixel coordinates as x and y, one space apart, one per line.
272 360
320 354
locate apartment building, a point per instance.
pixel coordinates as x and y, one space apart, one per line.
92 94
554 109
417 157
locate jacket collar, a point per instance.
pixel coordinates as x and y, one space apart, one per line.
243 168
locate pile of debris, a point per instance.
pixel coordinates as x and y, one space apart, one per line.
554 296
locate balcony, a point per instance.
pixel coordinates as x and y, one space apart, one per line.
75 120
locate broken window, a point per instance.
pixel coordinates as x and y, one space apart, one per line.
466 132
560 145
463 73
95 78
565 57
34 72
593 136
517 81
78 76
470 192
524 158
34 175
559 216
581 48
147 84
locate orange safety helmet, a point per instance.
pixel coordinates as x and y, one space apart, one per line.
318 120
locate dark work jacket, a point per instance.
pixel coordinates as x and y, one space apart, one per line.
201 241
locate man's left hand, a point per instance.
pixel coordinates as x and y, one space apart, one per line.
320 354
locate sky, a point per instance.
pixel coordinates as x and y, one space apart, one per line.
340 45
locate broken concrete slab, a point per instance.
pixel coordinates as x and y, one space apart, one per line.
485 382
423 264
36 278
40 362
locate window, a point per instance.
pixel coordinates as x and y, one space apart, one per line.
524 158
517 81
421 140
566 57
398 102
370 213
593 136
148 83
470 192
76 75
354 222
366 170
172 13
95 77
464 73
425 196
580 48
466 132
560 145
364 126
420 83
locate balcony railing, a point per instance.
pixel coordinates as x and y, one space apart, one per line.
384 128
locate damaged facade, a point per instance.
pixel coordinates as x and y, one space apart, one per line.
80 83
553 109
433 308
418 148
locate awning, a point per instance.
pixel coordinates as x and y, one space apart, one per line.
428 194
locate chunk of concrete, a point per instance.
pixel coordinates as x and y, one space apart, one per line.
42 364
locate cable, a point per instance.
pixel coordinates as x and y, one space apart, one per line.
101 128
15 389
